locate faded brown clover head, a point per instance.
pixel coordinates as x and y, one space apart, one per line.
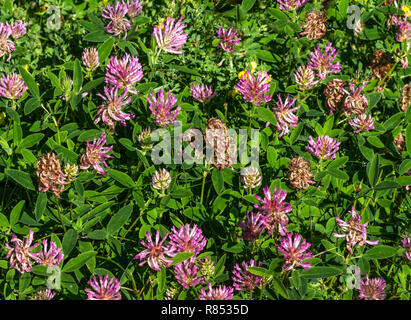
315 25
335 96
220 143
406 97
50 175
299 173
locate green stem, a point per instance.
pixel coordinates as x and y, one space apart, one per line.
251 119
59 213
124 270
261 292
385 77
4 193
202 186
55 123
372 195
389 272
225 111
320 166
134 223
145 285
155 60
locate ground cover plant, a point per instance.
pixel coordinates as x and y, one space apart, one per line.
199 149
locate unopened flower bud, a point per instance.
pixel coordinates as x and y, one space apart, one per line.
171 293
207 268
144 139
71 172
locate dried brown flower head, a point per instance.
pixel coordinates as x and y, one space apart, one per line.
220 143
50 175
406 97
379 63
386 3
335 96
299 173
315 25
399 142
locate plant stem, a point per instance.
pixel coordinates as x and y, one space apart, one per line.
59 213
145 285
251 119
202 186
385 77
134 223
320 166
369 199
155 60
124 270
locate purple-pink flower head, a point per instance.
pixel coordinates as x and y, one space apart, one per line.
186 273
134 7
124 73
45 294
254 224
50 256
116 14
110 110
155 252
20 254
290 5
161 108
408 173
202 92
284 113
372 289
12 86
96 154
275 209
170 35
363 122
294 252
18 29
355 102
324 147
323 62
187 239
220 293
404 29
6 45
103 289
255 89
355 232
406 244
228 38
244 279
